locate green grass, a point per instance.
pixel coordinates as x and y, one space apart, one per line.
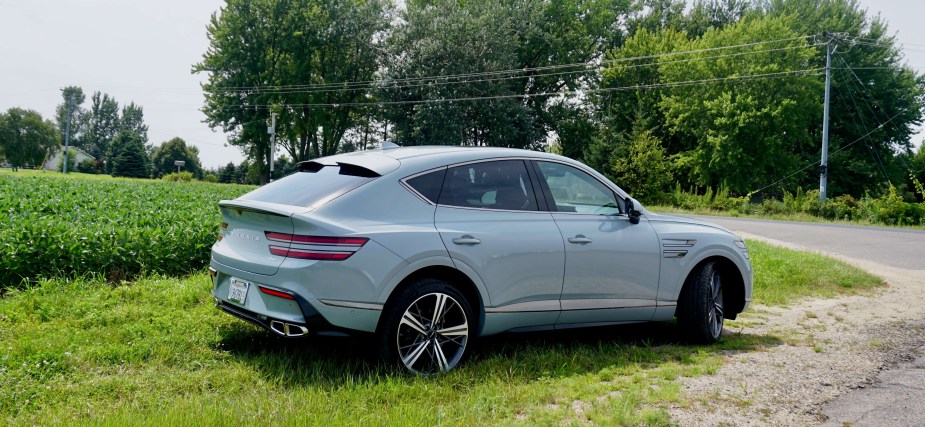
782 276
55 225
156 351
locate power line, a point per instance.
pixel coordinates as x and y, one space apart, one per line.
791 73
834 152
345 85
597 68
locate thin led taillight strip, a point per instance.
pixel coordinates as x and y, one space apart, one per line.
275 293
316 240
314 255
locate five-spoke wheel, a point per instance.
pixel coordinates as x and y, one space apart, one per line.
427 328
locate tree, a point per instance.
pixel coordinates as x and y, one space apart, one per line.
130 160
447 37
26 138
256 45
641 167
78 114
133 120
165 154
226 174
102 124
871 85
743 133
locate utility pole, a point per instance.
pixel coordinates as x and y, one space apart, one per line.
272 132
67 130
824 164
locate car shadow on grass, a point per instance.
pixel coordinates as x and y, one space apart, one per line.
332 361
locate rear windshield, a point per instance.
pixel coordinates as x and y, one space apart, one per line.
308 188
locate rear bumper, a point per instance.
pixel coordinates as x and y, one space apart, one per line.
302 315
313 325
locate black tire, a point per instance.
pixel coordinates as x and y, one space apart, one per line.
412 337
700 315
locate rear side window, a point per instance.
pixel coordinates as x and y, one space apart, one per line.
309 188
500 184
428 185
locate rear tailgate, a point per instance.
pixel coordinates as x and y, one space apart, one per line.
243 240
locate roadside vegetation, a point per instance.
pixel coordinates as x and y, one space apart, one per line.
889 209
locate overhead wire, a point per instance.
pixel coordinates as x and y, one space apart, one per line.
370 83
863 123
802 72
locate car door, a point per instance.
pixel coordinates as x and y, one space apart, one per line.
490 222
612 265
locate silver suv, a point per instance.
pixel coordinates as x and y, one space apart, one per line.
428 247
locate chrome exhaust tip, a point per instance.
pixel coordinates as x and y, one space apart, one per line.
287 329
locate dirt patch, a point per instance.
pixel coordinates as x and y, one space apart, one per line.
830 346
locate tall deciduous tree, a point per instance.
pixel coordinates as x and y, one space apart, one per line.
871 85
26 138
258 45
445 37
101 126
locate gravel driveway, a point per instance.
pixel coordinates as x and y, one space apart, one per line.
834 350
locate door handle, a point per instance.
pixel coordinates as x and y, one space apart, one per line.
579 239
466 240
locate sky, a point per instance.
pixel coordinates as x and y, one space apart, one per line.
142 51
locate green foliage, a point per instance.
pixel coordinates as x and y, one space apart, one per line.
210 178
114 228
742 135
641 168
889 209
90 166
448 37
101 127
26 138
165 154
299 42
184 176
71 160
78 114
129 158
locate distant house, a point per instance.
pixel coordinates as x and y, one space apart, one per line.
52 162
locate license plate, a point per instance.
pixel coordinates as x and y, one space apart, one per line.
237 292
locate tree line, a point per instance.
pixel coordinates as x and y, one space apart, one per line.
652 92
116 139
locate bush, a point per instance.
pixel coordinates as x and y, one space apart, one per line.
183 176
90 166
210 178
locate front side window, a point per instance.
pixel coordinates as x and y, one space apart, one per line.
573 190
500 184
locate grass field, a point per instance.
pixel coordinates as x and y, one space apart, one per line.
155 351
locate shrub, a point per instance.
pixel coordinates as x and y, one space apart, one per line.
210 178
183 176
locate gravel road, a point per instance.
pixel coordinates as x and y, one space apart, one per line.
844 361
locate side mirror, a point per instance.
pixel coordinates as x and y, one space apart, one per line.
631 212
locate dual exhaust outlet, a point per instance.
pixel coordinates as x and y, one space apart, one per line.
288 329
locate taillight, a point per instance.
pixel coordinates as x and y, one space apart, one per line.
275 293
323 248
